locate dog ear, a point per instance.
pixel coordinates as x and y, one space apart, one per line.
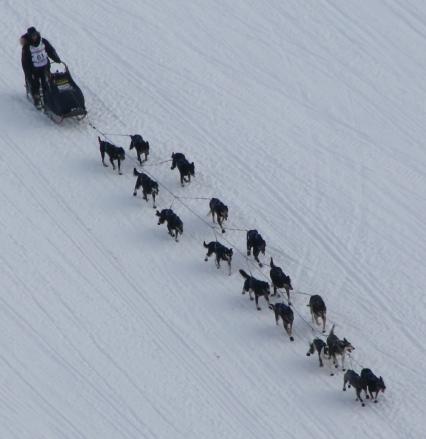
157 213
173 154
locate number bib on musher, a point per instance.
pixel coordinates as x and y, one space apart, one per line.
39 55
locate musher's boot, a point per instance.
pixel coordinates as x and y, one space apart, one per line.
37 101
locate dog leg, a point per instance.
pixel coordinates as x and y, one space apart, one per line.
103 157
323 322
217 262
288 296
153 201
229 265
358 396
135 192
256 254
219 221
207 258
288 327
112 163
257 302
343 361
333 357
344 384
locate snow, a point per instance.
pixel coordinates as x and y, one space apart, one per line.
307 120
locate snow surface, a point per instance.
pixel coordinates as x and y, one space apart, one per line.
308 119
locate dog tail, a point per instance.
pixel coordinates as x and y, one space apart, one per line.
332 329
205 245
135 172
244 274
272 263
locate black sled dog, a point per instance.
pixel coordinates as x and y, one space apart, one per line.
141 146
318 310
287 316
174 223
319 346
256 243
186 169
356 382
280 280
338 347
221 252
220 210
113 152
258 287
149 186
372 384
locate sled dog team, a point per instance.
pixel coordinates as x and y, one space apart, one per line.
329 350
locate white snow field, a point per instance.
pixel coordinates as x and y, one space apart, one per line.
307 118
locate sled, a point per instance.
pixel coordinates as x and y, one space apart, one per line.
62 97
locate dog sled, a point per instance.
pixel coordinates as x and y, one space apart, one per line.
62 98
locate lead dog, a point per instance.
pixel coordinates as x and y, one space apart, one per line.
257 287
318 310
318 345
356 382
372 383
287 316
174 223
141 146
113 152
149 186
338 347
280 280
220 210
222 253
257 243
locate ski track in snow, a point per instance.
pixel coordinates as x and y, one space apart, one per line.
307 119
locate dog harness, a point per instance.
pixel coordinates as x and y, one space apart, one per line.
39 55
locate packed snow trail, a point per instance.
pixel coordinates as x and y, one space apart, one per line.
307 119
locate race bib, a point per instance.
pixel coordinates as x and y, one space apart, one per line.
39 55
